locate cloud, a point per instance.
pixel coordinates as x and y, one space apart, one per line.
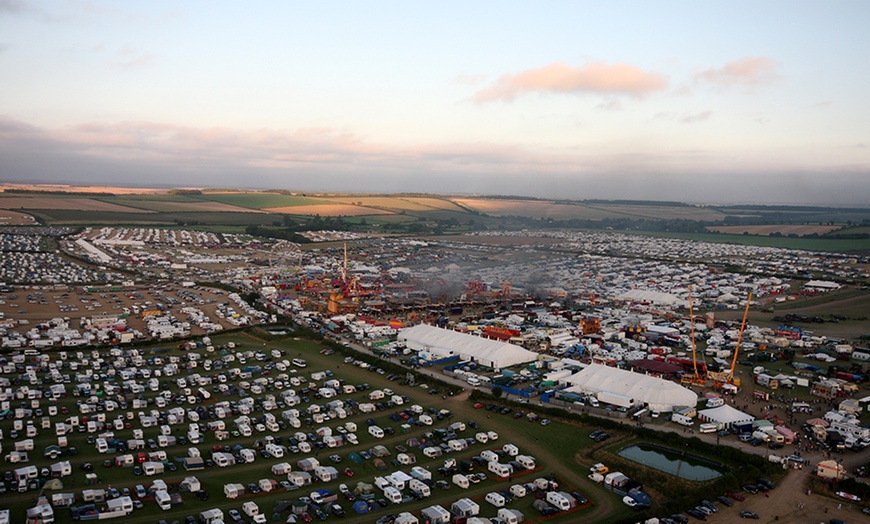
129 58
611 105
685 118
747 72
157 154
703 116
593 77
14 6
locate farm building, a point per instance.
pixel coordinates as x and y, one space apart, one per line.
656 393
438 343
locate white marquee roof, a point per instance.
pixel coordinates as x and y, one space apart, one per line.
726 415
444 343
659 394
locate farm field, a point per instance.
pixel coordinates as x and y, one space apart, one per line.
784 229
329 210
64 203
185 205
263 200
586 210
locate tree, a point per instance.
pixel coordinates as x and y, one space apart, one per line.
497 392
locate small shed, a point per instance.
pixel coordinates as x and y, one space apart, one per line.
830 470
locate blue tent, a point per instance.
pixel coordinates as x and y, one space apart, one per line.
360 507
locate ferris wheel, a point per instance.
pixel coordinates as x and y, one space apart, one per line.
285 257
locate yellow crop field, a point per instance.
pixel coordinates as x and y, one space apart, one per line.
329 210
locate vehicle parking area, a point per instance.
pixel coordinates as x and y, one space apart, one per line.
251 422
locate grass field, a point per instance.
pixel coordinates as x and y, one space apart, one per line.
585 210
785 229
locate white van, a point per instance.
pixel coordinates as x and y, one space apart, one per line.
162 498
376 432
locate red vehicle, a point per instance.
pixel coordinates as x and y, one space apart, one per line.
348 472
736 496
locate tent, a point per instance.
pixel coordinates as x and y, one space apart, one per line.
53 484
355 458
360 507
379 464
726 415
440 343
658 394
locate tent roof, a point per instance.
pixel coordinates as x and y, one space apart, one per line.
446 342
658 393
725 414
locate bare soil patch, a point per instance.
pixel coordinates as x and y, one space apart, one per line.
329 210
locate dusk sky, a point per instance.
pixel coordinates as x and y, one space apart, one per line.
739 101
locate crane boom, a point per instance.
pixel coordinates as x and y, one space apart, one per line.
739 338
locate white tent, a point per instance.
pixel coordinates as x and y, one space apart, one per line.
726 416
655 297
657 393
442 343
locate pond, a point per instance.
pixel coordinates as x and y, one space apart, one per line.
683 465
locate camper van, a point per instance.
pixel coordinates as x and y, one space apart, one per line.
496 499
376 432
682 419
708 428
162 498
393 495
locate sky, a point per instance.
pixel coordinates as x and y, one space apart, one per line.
707 102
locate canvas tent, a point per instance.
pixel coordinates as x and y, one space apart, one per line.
658 394
726 416
440 343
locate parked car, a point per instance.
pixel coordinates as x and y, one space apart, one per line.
746 514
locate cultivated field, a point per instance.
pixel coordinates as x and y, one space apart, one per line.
263 200
586 211
169 206
329 210
66 203
785 229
